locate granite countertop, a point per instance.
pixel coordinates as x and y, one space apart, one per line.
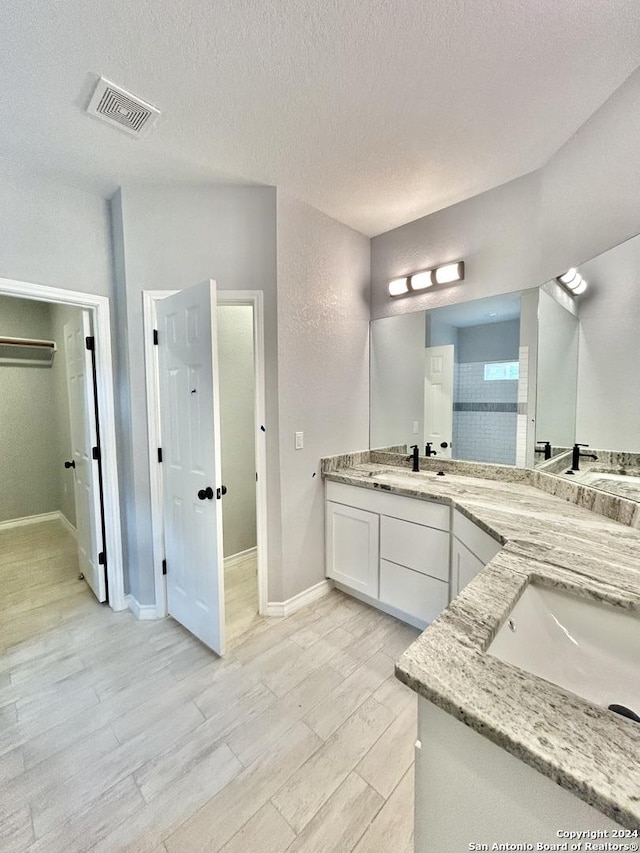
588 750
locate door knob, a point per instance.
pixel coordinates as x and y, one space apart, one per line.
71 464
206 494
444 444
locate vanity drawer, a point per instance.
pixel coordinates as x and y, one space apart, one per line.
385 503
420 548
420 596
480 544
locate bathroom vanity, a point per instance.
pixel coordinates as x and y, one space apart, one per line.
405 556
505 753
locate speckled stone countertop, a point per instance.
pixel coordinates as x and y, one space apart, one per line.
588 750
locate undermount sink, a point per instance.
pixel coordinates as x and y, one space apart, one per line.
399 478
589 648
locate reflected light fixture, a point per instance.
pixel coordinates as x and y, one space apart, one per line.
573 281
426 278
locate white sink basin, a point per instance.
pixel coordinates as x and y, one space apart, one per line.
588 648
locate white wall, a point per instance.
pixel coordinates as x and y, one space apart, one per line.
53 234
528 231
168 238
323 371
608 412
237 387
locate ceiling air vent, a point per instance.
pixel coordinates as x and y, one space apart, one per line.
122 109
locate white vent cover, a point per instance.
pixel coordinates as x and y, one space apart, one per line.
122 109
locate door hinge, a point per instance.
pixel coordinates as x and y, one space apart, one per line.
164 567
95 453
102 558
155 337
90 343
159 454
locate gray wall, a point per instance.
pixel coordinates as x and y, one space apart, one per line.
323 368
237 388
34 420
489 342
608 411
168 238
526 232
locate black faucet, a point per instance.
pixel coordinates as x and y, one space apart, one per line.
546 449
414 457
428 451
577 455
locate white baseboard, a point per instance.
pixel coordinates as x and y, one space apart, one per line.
233 559
62 518
29 519
140 611
307 596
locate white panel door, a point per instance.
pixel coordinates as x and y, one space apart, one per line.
83 439
438 398
192 488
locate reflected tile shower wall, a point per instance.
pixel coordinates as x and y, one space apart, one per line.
484 415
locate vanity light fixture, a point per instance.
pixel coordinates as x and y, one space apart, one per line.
426 278
573 281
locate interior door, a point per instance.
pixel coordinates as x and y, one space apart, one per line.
82 464
438 398
192 488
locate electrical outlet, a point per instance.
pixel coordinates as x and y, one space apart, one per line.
299 440
415 427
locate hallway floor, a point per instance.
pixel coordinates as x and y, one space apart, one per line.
118 735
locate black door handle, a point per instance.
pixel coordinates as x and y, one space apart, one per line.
206 494
444 444
71 464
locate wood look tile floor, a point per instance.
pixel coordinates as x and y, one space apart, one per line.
118 735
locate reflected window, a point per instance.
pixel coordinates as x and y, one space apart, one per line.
501 370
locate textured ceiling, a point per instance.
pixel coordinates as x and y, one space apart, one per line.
376 112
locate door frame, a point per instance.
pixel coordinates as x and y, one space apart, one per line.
255 299
99 306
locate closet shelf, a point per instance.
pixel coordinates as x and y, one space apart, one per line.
27 352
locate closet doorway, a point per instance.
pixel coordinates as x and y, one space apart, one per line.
58 464
240 402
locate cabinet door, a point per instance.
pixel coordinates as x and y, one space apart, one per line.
465 566
413 593
352 547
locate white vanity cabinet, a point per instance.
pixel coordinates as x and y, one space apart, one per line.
389 550
471 550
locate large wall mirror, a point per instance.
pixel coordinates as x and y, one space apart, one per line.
519 379
452 380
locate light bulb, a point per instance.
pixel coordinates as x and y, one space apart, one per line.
449 273
398 286
421 280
